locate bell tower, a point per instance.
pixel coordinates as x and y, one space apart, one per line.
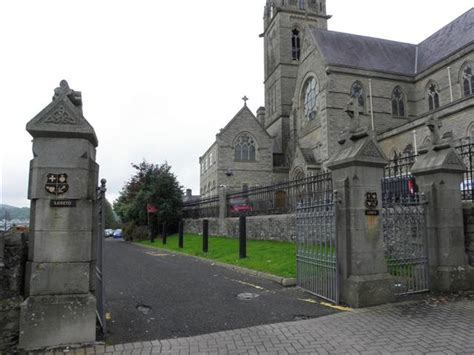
284 24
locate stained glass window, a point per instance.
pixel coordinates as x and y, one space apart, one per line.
398 102
433 97
358 93
311 98
468 81
245 148
295 45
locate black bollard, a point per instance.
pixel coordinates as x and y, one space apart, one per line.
242 237
181 234
205 235
150 232
164 234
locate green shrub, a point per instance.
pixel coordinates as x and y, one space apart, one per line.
134 233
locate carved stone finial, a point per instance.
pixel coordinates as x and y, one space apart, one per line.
437 141
61 90
65 90
354 131
353 110
434 125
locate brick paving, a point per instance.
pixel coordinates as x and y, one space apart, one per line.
421 327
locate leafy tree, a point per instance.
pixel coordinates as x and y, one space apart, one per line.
152 184
110 218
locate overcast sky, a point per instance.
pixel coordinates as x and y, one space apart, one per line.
158 78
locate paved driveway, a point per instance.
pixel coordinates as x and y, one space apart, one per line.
152 295
434 327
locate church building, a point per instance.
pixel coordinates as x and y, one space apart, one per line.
312 73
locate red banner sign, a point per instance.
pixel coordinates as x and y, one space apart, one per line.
151 208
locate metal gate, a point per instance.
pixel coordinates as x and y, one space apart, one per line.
404 232
316 241
99 286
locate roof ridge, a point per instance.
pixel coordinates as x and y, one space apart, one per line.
362 36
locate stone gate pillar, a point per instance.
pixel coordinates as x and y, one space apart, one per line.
357 171
439 173
59 308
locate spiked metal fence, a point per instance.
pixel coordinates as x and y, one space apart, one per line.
280 198
316 253
201 208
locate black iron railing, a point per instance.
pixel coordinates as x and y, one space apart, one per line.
202 208
398 181
466 152
280 198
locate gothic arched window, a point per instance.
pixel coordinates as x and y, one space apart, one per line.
433 97
295 45
358 93
311 93
398 102
301 2
244 148
467 81
470 133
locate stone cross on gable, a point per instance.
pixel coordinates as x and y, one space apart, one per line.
353 109
245 99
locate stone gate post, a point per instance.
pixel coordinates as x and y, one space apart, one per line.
439 173
357 174
59 308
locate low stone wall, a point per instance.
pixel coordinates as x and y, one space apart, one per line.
469 231
194 226
11 289
277 227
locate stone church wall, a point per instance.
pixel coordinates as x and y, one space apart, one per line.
11 289
277 227
456 118
440 76
253 173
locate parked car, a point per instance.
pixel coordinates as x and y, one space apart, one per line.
467 187
109 233
240 205
398 187
117 234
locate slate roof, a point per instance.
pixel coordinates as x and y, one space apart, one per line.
377 54
446 41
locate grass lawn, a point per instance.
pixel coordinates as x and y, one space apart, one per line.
277 258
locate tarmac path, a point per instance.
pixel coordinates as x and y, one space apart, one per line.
153 294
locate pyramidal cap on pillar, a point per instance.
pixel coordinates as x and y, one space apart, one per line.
439 155
442 160
63 117
360 148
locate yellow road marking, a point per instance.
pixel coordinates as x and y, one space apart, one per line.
108 316
154 254
339 308
249 284
325 304
309 300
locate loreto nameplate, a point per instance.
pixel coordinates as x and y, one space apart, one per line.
63 203
371 212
